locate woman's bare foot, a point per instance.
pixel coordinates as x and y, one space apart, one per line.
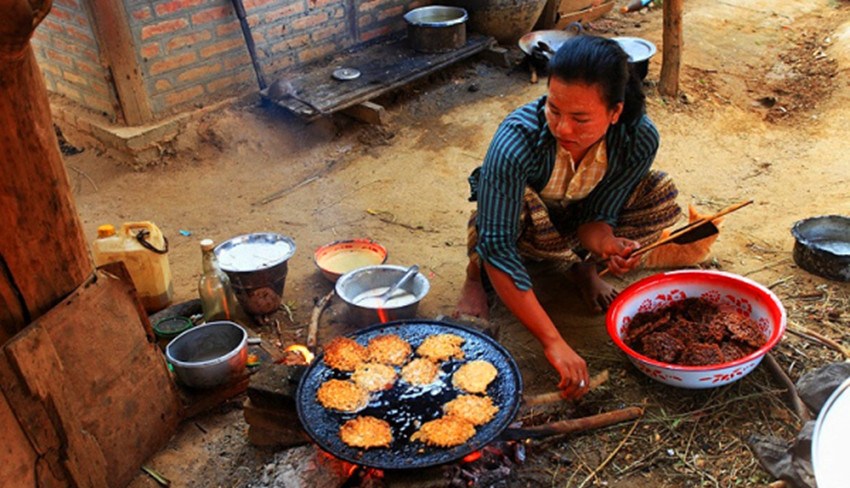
473 300
473 297
595 292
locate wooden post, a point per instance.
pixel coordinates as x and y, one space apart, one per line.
672 39
115 40
43 252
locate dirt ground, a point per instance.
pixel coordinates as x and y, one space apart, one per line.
762 115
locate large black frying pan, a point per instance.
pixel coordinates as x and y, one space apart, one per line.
405 407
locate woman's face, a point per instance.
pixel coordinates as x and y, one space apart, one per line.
577 115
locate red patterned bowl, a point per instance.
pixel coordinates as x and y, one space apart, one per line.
725 289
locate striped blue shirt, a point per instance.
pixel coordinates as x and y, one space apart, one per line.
522 153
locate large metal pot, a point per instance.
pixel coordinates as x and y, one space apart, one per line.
436 29
209 355
361 283
256 265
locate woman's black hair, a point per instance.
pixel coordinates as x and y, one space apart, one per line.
600 61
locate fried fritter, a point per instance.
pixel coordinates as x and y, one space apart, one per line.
389 349
477 410
366 432
474 376
441 347
344 354
374 376
342 395
420 371
445 432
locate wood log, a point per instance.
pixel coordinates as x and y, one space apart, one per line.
572 426
555 396
313 329
65 379
793 397
115 39
43 252
672 47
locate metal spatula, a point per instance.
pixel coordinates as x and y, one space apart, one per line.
411 271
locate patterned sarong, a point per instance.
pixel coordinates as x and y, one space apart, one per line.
551 235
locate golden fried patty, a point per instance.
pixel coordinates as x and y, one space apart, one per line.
389 349
445 432
344 354
441 347
420 371
342 395
477 410
366 432
374 376
474 376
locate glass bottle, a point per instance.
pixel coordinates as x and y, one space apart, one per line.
217 298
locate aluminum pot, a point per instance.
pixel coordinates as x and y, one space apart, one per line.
209 355
436 29
257 266
371 280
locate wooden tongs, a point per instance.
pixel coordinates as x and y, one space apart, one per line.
696 230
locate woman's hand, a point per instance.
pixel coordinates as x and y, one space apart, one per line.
572 368
618 251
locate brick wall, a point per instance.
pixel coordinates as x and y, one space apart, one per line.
193 51
70 60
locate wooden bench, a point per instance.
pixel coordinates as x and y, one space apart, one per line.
383 67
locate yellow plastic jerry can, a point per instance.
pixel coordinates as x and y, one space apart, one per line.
144 251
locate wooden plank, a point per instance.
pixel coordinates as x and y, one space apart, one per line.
112 365
565 18
497 55
42 245
368 112
115 39
17 453
31 353
383 67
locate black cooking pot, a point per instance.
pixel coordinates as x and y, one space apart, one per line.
822 246
406 407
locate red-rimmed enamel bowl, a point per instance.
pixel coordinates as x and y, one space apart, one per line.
340 257
724 289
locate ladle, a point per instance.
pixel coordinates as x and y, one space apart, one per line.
411 271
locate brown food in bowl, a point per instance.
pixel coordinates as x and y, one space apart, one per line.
693 332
